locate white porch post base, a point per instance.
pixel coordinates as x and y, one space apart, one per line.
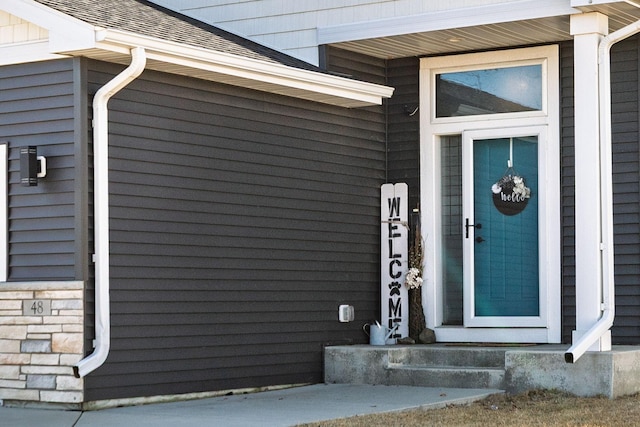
588 29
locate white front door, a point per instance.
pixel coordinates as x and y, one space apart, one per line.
490 196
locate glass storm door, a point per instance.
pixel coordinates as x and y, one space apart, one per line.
500 229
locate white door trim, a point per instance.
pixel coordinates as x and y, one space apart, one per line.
431 131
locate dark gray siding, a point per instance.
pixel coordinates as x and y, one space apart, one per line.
626 188
567 192
239 222
404 126
37 107
354 65
403 121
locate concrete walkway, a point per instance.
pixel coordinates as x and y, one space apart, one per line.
286 407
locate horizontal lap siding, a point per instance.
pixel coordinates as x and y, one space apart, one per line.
404 126
362 67
403 120
567 191
37 108
626 188
240 221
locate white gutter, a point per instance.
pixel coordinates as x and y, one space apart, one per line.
250 73
101 210
606 196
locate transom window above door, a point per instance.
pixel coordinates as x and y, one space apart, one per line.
488 86
489 91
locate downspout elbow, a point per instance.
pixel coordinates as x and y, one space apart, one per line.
582 345
101 211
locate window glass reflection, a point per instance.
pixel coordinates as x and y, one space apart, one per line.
491 91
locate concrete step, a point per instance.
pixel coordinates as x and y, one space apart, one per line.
446 376
519 368
444 356
425 366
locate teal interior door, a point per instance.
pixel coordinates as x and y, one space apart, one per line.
502 232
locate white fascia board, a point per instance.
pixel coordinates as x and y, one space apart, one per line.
27 52
239 67
65 32
448 19
586 3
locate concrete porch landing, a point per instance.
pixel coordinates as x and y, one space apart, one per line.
513 369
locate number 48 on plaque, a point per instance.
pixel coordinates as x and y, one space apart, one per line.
36 307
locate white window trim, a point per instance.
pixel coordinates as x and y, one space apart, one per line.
499 59
432 129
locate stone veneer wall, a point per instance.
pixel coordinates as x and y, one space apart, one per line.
37 352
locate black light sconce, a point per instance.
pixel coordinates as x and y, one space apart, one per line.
32 166
410 111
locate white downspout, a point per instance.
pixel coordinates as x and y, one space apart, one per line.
101 210
606 196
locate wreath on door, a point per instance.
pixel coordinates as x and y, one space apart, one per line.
510 192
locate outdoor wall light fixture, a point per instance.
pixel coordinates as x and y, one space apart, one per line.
411 111
32 166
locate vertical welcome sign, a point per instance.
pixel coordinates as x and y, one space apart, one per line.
394 233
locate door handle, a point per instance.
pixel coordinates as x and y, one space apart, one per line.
467 225
479 239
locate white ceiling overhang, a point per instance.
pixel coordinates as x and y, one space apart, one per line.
500 25
69 36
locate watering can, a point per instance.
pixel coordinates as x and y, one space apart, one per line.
378 334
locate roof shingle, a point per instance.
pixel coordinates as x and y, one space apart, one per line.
149 19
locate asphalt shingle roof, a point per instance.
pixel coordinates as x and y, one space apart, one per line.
148 19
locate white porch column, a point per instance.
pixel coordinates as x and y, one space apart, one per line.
588 29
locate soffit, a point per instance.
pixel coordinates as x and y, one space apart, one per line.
488 36
619 13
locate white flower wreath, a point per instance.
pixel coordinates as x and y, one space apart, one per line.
515 183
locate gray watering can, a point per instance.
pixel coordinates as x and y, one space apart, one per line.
378 334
